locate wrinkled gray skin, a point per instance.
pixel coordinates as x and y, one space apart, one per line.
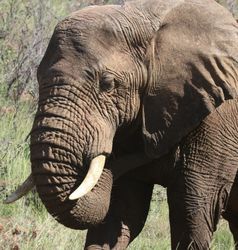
152 85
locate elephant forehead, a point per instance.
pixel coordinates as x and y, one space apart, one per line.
97 23
85 40
112 25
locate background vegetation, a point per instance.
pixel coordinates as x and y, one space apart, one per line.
25 29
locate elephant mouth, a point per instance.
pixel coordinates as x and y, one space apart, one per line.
95 170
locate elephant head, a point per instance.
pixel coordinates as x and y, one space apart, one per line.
123 80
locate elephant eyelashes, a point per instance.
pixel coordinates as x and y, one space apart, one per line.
107 83
90 75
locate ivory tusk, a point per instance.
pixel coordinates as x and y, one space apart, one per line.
23 189
91 179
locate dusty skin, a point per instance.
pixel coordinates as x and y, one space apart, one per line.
152 87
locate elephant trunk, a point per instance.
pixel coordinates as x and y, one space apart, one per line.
56 180
58 167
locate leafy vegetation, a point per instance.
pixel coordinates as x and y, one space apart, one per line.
25 28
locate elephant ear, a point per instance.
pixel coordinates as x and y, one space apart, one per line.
192 70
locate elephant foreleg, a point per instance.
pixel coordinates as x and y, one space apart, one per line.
231 212
193 215
233 224
126 218
205 171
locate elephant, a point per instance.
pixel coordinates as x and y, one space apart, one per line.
131 96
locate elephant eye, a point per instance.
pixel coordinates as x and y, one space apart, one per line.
107 83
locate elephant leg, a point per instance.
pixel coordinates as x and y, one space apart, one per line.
126 218
193 215
205 171
233 224
231 212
